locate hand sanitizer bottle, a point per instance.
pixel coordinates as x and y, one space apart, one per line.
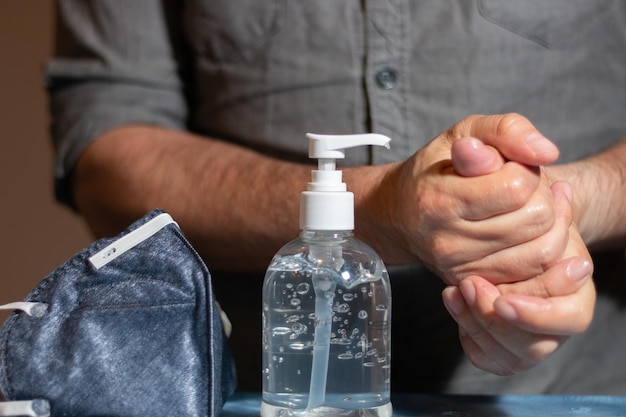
327 305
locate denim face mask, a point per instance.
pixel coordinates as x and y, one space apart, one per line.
127 327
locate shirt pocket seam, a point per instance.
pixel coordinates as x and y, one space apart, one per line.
562 34
219 50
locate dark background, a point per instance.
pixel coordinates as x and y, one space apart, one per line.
36 233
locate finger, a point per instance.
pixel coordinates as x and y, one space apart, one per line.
563 315
471 158
564 278
491 343
509 259
503 191
507 248
531 220
480 358
469 330
511 134
535 257
515 348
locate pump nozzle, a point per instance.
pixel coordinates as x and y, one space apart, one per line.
333 146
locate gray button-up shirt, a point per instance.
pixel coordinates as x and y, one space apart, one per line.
262 73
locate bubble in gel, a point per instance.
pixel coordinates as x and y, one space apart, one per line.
342 308
362 314
295 302
298 328
292 319
297 346
280 331
340 341
302 288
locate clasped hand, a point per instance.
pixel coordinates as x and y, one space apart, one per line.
475 206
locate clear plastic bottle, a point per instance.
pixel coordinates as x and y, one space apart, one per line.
326 317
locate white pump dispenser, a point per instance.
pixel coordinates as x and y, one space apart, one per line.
327 205
327 305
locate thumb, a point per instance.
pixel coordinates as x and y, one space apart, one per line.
472 158
512 135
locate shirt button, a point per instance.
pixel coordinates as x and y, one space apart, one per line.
386 78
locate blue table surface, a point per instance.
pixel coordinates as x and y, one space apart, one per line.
425 405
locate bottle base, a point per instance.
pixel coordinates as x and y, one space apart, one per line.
268 410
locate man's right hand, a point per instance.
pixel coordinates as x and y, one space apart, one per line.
494 219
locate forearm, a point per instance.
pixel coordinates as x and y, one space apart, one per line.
236 206
599 185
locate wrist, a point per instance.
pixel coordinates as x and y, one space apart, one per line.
598 187
375 211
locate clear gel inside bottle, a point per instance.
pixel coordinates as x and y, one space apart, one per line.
326 329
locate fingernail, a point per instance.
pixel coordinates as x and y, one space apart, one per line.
468 291
567 189
579 269
453 300
540 144
507 311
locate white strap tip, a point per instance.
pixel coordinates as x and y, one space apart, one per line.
33 309
32 408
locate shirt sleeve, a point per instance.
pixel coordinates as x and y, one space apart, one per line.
116 62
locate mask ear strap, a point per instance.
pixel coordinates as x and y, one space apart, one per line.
33 408
31 308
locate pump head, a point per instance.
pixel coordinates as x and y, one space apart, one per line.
327 205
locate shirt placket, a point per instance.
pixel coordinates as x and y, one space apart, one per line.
386 66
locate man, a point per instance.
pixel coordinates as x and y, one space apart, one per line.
201 109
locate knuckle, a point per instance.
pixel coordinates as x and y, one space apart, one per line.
541 350
511 122
541 212
441 247
518 190
548 253
461 128
584 319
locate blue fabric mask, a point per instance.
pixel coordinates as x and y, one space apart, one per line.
127 327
